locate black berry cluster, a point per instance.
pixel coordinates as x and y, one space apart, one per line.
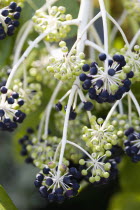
132 144
106 86
9 20
57 189
10 116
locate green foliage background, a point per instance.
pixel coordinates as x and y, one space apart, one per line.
17 177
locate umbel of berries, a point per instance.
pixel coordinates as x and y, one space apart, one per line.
106 84
10 114
37 151
132 144
57 188
9 20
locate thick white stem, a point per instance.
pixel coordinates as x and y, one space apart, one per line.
105 29
84 8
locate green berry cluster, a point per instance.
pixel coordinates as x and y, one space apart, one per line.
99 140
66 67
133 8
54 18
31 93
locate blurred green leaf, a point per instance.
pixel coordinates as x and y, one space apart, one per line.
129 176
5 201
125 201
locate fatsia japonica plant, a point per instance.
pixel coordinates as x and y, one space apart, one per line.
91 117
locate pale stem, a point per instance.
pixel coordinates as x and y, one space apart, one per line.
84 8
105 28
83 99
120 22
64 137
84 31
135 102
121 31
80 148
91 37
95 46
22 41
129 109
56 151
96 36
135 38
65 96
111 112
121 108
49 107
20 33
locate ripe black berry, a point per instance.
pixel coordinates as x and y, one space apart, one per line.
102 57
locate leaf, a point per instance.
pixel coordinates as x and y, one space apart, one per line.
125 201
5 201
129 176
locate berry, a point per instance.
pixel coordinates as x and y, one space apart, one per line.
49 181
16 15
93 71
2 113
86 67
58 106
20 102
88 106
46 170
102 57
3 90
10 100
82 77
13 5
15 95
5 12
43 191
99 83
111 72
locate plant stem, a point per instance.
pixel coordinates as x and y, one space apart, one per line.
111 112
80 148
135 102
135 38
129 109
84 8
105 29
49 107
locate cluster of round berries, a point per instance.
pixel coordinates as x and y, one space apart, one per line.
37 70
31 93
99 140
9 17
7 2
133 61
38 152
133 8
56 189
107 85
121 123
64 67
132 144
102 175
54 18
9 113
